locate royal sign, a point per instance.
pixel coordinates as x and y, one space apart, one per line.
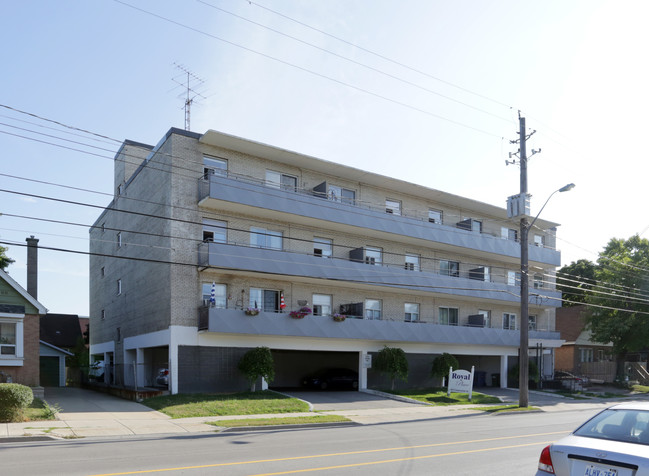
460 381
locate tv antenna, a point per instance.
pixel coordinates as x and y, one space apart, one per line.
190 83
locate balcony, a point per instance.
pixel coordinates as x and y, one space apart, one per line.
234 321
312 209
284 263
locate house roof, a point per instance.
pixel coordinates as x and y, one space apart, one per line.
55 348
22 291
60 330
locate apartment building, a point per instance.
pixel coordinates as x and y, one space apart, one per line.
212 240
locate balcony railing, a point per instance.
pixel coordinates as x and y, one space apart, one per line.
280 324
212 187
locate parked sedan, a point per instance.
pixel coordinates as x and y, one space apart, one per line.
615 442
332 378
163 377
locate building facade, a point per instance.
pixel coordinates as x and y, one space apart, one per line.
204 227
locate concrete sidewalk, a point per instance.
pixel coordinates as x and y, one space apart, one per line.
86 413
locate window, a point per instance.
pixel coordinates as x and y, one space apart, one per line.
215 231
119 239
102 272
476 226
412 262
393 207
339 194
119 287
435 216
411 311
448 316
262 238
321 305
8 338
265 299
509 234
449 268
585 355
487 317
538 281
220 295
372 309
531 322
118 337
539 240
280 180
513 278
322 247
373 256
482 273
103 314
509 321
214 166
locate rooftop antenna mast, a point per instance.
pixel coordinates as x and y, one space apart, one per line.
191 86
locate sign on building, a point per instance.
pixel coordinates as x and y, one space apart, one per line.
460 381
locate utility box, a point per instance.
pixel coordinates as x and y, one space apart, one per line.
518 205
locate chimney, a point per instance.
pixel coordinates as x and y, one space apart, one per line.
32 266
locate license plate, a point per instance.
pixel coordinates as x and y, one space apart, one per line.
593 470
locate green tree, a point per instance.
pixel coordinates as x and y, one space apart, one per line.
4 259
620 311
575 280
255 363
442 365
392 361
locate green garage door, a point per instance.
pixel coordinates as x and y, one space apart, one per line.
49 371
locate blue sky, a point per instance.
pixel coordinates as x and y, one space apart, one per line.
425 91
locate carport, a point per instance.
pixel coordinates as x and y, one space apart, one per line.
291 366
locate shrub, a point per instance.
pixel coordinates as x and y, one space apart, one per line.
14 398
255 363
392 361
442 364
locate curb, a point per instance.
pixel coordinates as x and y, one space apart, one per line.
288 426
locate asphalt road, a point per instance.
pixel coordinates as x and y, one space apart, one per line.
465 445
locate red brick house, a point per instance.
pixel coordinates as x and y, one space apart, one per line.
19 333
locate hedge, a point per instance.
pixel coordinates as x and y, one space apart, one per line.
14 397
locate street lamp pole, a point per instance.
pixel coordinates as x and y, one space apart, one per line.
523 375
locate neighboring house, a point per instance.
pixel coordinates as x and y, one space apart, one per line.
60 333
19 333
579 354
204 226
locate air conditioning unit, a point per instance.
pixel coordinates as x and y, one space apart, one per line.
370 260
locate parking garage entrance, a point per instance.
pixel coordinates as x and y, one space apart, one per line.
292 366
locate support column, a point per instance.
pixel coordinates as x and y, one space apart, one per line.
362 370
504 360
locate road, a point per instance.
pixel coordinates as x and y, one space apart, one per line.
463 445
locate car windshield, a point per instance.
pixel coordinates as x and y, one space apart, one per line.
618 425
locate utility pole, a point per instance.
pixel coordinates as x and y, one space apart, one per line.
523 359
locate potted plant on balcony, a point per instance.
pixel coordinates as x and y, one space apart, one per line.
300 313
339 317
251 311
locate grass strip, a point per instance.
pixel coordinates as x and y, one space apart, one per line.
506 408
438 396
279 421
243 403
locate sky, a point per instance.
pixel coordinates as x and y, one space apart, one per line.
426 91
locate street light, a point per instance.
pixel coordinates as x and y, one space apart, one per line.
523 361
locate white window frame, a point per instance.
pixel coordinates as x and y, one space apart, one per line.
539 240
508 317
531 322
373 309
412 262
214 166
393 206
513 278
373 255
275 179
337 194
215 231
586 354
538 281
267 237
324 246
322 304
445 268
435 216
509 233
220 295
411 311
445 317
18 345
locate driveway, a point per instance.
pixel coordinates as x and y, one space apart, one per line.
333 400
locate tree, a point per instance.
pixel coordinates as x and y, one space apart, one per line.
620 308
4 259
392 361
255 363
575 280
442 365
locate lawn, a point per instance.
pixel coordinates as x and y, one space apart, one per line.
438 396
243 403
37 411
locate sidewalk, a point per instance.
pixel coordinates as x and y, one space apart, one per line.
86 413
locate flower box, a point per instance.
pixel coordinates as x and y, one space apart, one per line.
251 312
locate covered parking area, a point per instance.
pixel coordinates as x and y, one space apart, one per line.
292 366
